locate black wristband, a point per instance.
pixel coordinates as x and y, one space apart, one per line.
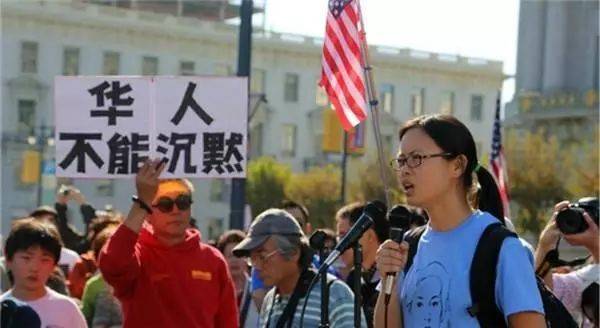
140 202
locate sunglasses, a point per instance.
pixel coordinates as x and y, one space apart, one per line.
165 204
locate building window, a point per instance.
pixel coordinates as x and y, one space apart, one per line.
105 188
214 227
29 57
123 3
26 116
321 96
291 87
110 65
219 191
288 146
386 97
256 140
417 97
447 103
476 108
71 61
186 68
257 81
149 65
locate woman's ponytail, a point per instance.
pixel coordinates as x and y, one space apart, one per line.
489 199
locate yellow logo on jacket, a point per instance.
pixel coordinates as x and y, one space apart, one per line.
202 275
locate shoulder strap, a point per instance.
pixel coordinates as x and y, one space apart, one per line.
246 302
412 237
300 291
483 276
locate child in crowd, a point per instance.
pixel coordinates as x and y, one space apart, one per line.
32 252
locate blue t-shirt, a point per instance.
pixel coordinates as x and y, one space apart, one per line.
435 292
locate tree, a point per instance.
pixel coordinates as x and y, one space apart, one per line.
266 183
318 190
367 186
585 174
536 171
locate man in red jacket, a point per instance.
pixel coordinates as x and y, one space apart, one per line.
160 271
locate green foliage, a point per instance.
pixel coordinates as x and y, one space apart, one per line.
585 175
536 171
543 171
319 190
368 186
266 183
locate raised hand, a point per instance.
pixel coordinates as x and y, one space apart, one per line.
146 180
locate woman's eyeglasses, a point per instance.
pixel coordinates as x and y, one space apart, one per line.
165 204
413 160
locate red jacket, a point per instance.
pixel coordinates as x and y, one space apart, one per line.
186 285
83 269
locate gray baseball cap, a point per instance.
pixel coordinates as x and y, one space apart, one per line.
270 222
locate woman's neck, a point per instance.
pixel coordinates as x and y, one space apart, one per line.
449 212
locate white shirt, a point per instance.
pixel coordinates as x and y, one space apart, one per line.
569 288
68 258
55 310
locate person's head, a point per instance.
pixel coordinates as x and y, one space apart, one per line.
101 239
45 213
329 239
347 216
300 213
32 251
589 303
99 223
276 246
16 314
171 208
418 217
438 159
225 245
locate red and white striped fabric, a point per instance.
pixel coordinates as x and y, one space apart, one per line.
342 65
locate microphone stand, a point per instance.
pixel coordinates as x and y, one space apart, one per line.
357 282
323 253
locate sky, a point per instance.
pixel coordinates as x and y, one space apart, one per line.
472 28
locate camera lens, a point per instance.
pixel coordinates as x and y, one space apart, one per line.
571 221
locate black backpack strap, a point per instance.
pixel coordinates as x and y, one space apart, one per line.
300 291
412 237
246 302
483 276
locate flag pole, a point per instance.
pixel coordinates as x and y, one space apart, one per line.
344 168
373 104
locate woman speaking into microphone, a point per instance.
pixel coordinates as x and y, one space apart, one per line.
438 169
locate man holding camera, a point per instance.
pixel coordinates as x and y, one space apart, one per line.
578 225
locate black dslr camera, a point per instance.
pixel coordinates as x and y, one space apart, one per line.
571 221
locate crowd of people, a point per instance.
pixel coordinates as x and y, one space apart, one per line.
152 268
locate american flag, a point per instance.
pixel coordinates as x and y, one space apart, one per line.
342 64
497 161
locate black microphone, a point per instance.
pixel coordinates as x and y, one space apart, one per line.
399 217
356 231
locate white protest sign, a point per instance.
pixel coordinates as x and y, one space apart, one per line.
107 125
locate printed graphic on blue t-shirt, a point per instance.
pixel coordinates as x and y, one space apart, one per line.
435 291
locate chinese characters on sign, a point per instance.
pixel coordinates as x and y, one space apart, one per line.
107 126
